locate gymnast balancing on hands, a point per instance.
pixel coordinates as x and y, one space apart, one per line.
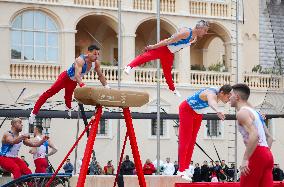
69 79
165 49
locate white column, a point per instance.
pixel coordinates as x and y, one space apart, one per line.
68 48
184 67
128 54
5 51
204 57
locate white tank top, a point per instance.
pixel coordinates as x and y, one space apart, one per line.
13 152
258 123
40 151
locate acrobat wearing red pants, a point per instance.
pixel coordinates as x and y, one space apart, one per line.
257 164
70 78
11 144
41 153
165 49
190 121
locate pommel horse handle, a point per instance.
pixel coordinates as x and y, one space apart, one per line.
111 98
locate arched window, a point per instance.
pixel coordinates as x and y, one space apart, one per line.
34 38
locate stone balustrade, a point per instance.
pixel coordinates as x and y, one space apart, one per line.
209 78
148 76
192 7
260 81
27 71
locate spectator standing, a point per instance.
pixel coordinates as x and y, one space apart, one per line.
205 172
148 168
127 166
68 167
169 167
109 169
197 173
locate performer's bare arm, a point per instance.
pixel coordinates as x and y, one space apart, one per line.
34 143
9 139
212 102
268 136
78 64
100 73
53 148
245 119
182 34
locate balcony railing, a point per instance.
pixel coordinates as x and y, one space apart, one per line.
146 5
207 78
34 71
85 2
149 76
260 81
203 8
168 6
192 7
108 3
110 72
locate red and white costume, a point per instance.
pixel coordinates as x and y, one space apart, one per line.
166 55
261 161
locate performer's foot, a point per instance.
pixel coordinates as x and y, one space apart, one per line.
127 70
177 93
32 118
184 175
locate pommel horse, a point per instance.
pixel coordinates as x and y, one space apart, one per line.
100 97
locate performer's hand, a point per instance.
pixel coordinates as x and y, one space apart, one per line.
221 115
82 84
244 168
149 47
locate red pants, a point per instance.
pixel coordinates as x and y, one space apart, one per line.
63 81
189 124
167 60
261 166
16 166
41 165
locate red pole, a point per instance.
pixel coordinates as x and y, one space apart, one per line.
134 147
89 148
120 160
70 151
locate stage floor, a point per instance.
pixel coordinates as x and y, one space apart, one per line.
219 184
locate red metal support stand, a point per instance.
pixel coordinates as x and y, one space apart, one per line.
70 151
134 147
90 144
89 148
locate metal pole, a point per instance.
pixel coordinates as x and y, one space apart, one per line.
237 80
158 91
119 75
76 149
